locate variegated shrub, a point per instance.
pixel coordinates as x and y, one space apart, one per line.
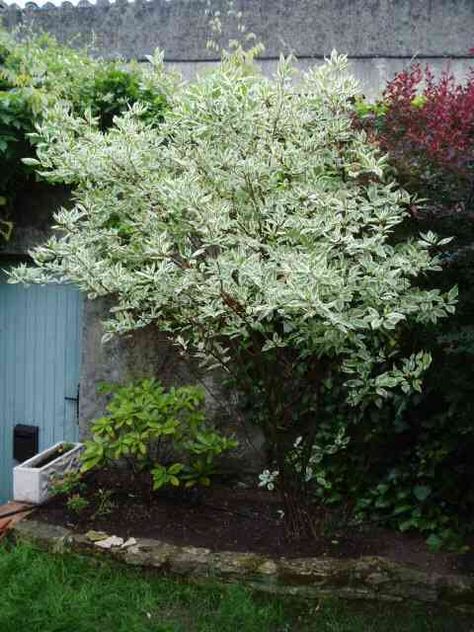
256 227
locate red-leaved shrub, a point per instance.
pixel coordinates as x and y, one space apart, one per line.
427 127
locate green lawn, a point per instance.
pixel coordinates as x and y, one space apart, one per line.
64 593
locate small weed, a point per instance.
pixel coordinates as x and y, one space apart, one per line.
105 504
77 504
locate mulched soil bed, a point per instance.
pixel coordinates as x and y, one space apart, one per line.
229 518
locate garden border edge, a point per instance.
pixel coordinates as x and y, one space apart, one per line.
370 578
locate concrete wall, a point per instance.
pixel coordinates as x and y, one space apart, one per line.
380 36
373 73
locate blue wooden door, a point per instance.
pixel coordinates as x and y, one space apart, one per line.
40 333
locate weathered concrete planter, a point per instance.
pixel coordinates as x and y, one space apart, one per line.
369 578
31 480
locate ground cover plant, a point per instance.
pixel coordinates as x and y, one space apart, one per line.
256 227
65 592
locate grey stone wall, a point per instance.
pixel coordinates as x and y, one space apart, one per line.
378 35
310 28
147 353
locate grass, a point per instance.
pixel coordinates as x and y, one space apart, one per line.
40 592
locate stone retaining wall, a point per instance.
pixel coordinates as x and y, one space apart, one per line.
366 578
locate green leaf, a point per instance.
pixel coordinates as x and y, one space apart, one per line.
434 542
175 468
421 492
31 162
406 525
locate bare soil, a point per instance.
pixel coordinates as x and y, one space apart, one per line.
231 518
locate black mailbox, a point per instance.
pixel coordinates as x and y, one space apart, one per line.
25 442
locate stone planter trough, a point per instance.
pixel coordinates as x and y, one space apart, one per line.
31 479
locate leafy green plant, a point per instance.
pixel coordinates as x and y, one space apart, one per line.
406 508
36 73
113 90
151 428
66 484
391 466
76 503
